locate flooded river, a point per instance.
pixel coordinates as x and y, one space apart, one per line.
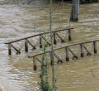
18 21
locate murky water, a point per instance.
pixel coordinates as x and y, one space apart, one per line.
16 71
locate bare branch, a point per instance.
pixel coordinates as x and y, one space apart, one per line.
92 73
45 9
56 8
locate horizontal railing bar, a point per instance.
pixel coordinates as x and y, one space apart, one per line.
76 44
64 47
38 54
38 35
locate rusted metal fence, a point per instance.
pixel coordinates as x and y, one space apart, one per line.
67 50
39 40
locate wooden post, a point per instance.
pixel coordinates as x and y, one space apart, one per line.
55 42
82 51
69 35
40 41
9 49
95 47
34 63
26 45
67 54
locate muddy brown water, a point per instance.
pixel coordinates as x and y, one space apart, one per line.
17 21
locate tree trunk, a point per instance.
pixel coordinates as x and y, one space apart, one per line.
74 10
52 51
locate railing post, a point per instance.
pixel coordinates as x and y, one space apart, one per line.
69 35
54 38
9 49
34 63
95 47
26 45
40 41
82 51
67 54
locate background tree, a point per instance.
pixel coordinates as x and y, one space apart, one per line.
74 11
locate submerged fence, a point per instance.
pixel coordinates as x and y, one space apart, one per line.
39 41
67 50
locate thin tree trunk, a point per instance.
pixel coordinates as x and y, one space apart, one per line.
74 10
52 52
